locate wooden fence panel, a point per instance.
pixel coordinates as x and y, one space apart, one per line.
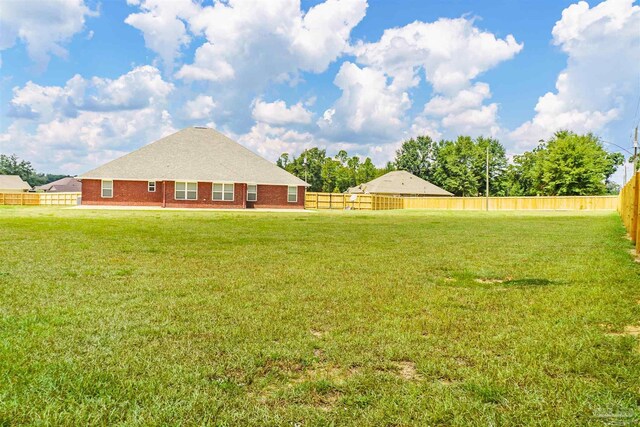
20 199
37 199
379 202
513 203
629 209
65 199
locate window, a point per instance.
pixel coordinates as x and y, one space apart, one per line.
292 194
186 191
223 192
252 192
151 186
107 188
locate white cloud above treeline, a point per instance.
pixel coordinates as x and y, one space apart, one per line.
87 122
602 44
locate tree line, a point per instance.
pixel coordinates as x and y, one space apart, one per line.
12 165
566 164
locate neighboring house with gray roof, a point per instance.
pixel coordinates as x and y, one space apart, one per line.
399 183
195 167
13 184
64 185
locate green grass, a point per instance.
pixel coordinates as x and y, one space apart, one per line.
382 318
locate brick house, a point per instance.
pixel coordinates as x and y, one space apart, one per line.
195 167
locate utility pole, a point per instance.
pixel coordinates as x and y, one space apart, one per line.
487 191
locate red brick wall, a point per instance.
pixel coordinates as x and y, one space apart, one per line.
204 197
135 193
275 196
131 193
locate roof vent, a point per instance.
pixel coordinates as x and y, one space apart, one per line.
201 127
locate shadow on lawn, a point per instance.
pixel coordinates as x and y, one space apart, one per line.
491 283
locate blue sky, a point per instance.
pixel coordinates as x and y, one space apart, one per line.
85 82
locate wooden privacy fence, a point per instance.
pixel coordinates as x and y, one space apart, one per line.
37 199
377 202
629 209
365 202
555 203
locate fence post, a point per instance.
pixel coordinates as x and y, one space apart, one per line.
635 199
636 214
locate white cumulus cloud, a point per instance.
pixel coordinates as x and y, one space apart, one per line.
87 122
44 27
450 52
278 113
603 48
369 106
200 107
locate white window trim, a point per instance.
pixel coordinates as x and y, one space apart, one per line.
296 193
102 188
149 186
186 191
256 193
233 191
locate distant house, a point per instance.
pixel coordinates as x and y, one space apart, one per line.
13 184
399 183
195 167
64 185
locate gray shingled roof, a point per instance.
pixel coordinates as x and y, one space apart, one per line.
63 185
399 182
195 154
13 183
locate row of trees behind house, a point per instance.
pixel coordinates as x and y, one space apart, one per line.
566 164
12 165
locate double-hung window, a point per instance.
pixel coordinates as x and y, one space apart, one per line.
151 186
292 194
107 188
252 192
223 192
186 190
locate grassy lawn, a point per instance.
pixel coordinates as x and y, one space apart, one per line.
382 318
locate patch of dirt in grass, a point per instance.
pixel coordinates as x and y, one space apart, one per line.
630 330
449 279
328 372
489 281
328 401
286 367
529 282
316 333
407 370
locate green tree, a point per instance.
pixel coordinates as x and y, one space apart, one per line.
12 165
417 156
567 164
497 166
307 166
577 165
283 160
366 172
330 176
456 167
